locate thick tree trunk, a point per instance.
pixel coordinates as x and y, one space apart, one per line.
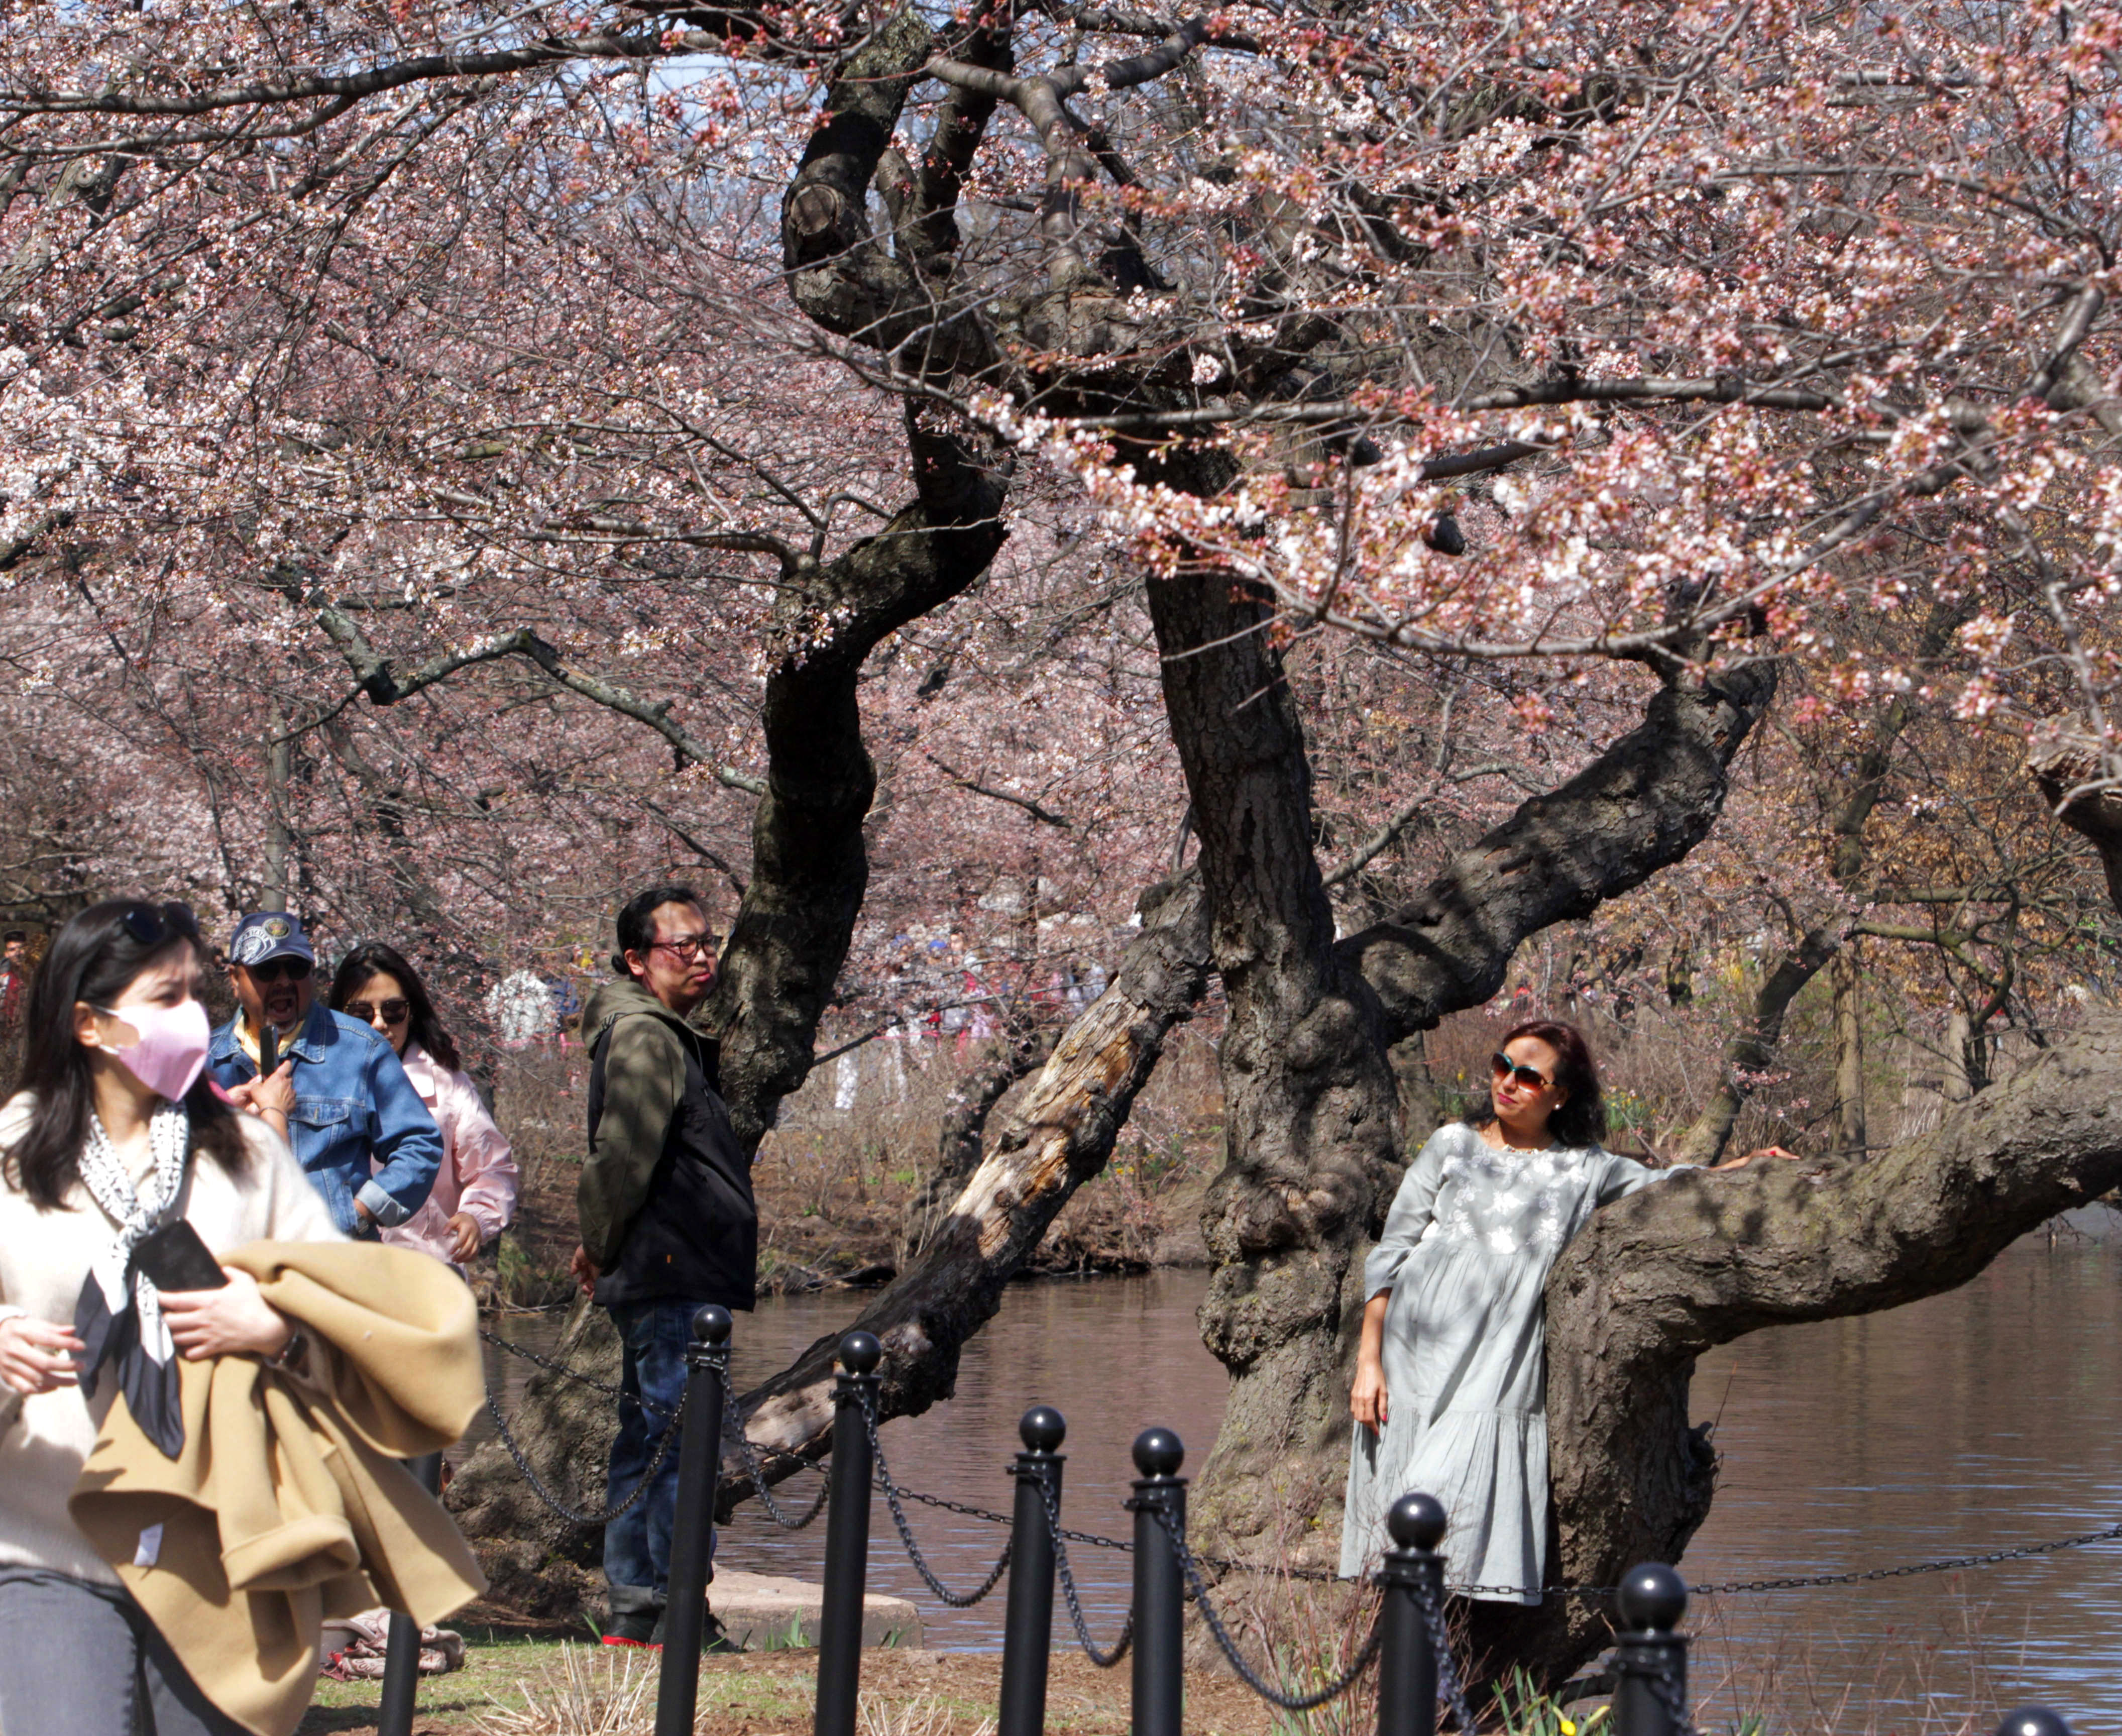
1701 1260
809 871
1310 1114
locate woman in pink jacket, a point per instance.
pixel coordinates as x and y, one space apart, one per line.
474 1195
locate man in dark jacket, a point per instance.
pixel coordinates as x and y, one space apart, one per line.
667 1220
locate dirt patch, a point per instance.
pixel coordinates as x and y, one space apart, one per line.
511 1674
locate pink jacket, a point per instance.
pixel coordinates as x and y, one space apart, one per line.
478 1176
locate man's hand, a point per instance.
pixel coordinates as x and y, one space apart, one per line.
582 1269
464 1236
36 1356
233 1319
274 1094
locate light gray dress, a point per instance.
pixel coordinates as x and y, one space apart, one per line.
1468 1244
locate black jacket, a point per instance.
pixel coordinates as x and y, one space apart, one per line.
665 1197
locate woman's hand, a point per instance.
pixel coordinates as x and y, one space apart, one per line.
464 1236
1765 1151
1366 1398
232 1320
36 1356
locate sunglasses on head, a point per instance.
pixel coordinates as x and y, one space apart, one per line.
1504 1068
151 924
394 1011
273 969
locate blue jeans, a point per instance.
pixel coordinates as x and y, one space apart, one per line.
636 1544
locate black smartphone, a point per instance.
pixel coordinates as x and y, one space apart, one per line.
177 1258
268 1052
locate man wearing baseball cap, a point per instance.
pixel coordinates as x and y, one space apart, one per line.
358 1125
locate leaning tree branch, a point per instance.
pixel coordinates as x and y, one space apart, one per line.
1640 806
375 677
553 51
1058 1137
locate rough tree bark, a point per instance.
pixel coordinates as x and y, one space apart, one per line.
1701 1260
1310 1119
958 1141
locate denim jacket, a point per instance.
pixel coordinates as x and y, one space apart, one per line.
352 1103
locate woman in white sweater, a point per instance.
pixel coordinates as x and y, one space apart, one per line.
114 1134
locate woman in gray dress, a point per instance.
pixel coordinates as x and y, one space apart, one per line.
1450 1395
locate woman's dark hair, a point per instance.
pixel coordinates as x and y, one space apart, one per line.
94 958
375 958
636 925
1581 1119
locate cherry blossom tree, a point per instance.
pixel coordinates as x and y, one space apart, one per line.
514 422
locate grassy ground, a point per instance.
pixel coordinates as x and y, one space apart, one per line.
516 1682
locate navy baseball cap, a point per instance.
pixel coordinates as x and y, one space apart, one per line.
269 934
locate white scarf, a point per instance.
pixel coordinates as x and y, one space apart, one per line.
170 1137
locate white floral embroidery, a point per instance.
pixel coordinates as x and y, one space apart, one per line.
1510 1202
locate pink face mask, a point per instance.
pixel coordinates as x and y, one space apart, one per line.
172 1048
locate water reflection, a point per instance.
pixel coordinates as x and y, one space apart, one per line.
1972 1421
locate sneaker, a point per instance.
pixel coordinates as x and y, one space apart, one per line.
635 1627
714 1642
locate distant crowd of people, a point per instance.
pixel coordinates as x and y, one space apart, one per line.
150 1162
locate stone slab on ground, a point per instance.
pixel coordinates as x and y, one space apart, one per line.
759 1610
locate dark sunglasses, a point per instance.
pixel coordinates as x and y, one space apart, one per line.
151 924
273 969
394 1011
1504 1068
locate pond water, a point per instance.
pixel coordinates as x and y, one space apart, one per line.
1978 1421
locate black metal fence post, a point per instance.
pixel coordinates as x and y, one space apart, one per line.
1159 1506
401 1646
2033 1720
1028 1627
1650 1658
846 1537
1413 1575
692 1527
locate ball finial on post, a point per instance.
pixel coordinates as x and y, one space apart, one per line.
860 1352
1042 1429
710 1324
1653 1598
1158 1453
2033 1720
1417 1521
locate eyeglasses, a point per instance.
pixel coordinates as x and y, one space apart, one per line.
151 924
273 969
687 946
1504 1068
394 1011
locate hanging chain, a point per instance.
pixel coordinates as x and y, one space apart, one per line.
1447 1668
565 1373
1281 1697
598 1516
955 1600
733 1431
1666 1685
1105 1660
